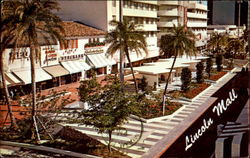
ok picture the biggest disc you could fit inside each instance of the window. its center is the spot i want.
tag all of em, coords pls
(114, 3)
(113, 17)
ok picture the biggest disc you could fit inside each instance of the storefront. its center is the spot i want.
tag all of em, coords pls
(42, 78)
(101, 63)
(59, 74)
(77, 70)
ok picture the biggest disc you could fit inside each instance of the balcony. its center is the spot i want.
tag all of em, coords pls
(148, 2)
(197, 6)
(139, 13)
(196, 24)
(173, 12)
(168, 2)
(197, 16)
(148, 27)
(167, 24)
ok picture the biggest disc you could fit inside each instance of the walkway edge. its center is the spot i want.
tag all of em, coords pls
(48, 149)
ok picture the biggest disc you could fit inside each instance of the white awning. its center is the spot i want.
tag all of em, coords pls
(151, 70)
(75, 66)
(100, 60)
(25, 75)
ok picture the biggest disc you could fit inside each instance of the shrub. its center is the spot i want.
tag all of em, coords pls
(209, 64)
(185, 79)
(199, 72)
(219, 62)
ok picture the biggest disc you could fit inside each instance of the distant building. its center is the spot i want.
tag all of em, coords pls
(191, 14)
(226, 12)
(231, 30)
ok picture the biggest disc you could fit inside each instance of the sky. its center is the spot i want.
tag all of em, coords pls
(223, 12)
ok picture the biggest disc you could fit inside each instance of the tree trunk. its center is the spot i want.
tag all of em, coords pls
(110, 140)
(33, 84)
(6, 92)
(132, 70)
(166, 87)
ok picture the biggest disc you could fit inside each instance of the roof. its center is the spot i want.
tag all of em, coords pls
(74, 29)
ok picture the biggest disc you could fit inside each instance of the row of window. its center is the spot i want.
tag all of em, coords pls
(139, 20)
(71, 57)
(138, 5)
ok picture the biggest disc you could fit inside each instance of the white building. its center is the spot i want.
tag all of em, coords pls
(191, 14)
(61, 63)
(98, 14)
(231, 30)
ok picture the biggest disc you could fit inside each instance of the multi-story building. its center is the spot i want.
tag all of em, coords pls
(191, 14)
(98, 14)
(60, 63)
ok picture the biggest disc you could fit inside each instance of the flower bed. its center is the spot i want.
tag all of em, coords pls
(217, 76)
(194, 91)
(155, 110)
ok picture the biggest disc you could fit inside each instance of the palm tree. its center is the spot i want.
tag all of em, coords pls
(6, 37)
(180, 41)
(217, 42)
(127, 38)
(35, 24)
(236, 46)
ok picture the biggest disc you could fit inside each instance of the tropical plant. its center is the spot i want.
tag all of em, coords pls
(180, 41)
(217, 42)
(185, 78)
(126, 38)
(7, 37)
(218, 61)
(35, 25)
(109, 107)
(144, 84)
(199, 72)
(209, 64)
(235, 46)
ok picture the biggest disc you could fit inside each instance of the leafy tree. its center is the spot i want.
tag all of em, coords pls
(199, 72)
(235, 46)
(218, 61)
(209, 64)
(126, 38)
(34, 20)
(217, 42)
(109, 107)
(180, 41)
(185, 78)
(144, 84)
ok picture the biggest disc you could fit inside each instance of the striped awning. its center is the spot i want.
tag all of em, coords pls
(75, 66)
(11, 79)
(100, 60)
(56, 70)
(25, 74)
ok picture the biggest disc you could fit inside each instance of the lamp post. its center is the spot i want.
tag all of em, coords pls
(121, 50)
(239, 2)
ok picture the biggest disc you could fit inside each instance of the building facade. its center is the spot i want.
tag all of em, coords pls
(60, 63)
(98, 14)
(191, 14)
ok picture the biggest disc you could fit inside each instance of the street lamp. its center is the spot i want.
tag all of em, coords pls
(239, 2)
(121, 51)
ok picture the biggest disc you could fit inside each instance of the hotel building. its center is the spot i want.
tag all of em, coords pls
(191, 14)
(98, 14)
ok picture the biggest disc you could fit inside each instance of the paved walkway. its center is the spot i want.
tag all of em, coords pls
(155, 129)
